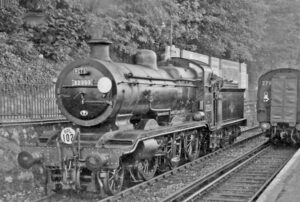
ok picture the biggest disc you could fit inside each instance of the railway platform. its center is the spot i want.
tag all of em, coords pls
(285, 186)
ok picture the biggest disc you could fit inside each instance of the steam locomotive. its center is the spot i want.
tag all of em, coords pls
(133, 120)
(278, 107)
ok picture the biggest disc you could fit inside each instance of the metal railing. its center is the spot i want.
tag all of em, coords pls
(27, 102)
(7, 3)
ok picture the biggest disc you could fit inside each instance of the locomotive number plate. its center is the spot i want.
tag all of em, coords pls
(86, 82)
(67, 135)
(81, 71)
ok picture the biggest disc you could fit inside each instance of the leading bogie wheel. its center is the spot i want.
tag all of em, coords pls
(113, 182)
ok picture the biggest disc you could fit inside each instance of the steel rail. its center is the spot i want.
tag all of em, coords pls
(266, 184)
(215, 175)
(213, 182)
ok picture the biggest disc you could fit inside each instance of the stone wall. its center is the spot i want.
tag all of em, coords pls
(16, 180)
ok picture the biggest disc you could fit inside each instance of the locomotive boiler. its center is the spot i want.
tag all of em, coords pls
(278, 105)
(133, 120)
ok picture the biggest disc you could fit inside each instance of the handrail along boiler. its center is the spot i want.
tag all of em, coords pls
(133, 120)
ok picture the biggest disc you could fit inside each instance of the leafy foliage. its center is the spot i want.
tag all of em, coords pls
(29, 52)
(229, 29)
(20, 63)
(280, 47)
(240, 30)
(129, 24)
(10, 19)
(62, 36)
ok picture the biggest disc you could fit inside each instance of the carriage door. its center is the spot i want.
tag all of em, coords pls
(284, 99)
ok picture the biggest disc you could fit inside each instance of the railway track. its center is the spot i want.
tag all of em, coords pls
(171, 181)
(243, 179)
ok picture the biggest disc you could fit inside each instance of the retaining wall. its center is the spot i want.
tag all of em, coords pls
(15, 179)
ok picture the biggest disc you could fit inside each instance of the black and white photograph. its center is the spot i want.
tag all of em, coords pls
(149, 100)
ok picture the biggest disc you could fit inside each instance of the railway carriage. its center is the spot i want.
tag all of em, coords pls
(133, 120)
(278, 106)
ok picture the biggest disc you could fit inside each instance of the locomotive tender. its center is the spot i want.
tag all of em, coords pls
(278, 107)
(133, 120)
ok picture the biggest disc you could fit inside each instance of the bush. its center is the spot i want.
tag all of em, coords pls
(11, 19)
(20, 62)
(62, 36)
(30, 54)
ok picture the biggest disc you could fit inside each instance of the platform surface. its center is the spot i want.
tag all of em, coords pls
(286, 186)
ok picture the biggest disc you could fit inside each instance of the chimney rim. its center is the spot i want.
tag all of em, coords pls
(99, 41)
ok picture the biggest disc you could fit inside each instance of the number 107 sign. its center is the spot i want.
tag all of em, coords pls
(67, 135)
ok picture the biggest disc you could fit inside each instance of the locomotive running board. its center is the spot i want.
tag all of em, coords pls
(135, 136)
(241, 122)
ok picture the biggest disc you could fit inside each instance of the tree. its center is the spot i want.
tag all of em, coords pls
(280, 47)
(229, 29)
(129, 24)
(63, 35)
(21, 45)
(10, 19)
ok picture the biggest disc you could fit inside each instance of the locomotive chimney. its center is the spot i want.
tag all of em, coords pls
(100, 49)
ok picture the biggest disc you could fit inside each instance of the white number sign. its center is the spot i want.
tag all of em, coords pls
(67, 135)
